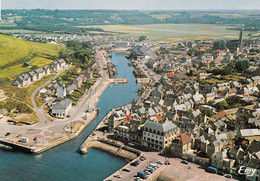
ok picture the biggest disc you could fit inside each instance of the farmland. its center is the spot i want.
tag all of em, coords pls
(14, 52)
(173, 31)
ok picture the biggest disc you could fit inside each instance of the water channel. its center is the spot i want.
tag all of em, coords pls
(62, 163)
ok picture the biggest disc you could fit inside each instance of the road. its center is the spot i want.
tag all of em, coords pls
(39, 111)
(90, 99)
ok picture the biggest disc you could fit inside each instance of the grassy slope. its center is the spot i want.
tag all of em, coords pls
(14, 52)
(173, 31)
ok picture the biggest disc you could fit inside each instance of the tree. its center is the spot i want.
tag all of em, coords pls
(142, 38)
(233, 100)
(242, 65)
(221, 105)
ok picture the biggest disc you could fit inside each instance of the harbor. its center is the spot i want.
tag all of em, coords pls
(35, 166)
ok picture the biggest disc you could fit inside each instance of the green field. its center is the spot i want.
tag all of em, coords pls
(20, 31)
(14, 52)
(174, 31)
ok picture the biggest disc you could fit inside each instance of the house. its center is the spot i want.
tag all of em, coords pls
(191, 44)
(123, 132)
(221, 161)
(2, 95)
(22, 81)
(62, 63)
(249, 134)
(181, 144)
(27, 64)
(33, 76)
(84, 78)
(117, 118)
(256, 80)
(253, 166)
(222, 86)
(158, 136)
(61, 92)
(40, 73)
(46, 69)
(210, 96)
(71, 88)
(78, 70)
(198, 98)
(235, 84)
(61, 108)
(78, 81)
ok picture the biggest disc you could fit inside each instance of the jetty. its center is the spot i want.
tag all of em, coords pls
(99, 139)
(118, 80)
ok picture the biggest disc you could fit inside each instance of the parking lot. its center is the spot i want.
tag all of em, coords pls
(175, 171)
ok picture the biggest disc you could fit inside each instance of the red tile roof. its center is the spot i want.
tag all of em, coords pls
(184, 139)
(77, 69)
(128, 117)
(159, 117)
(83, 76)
(170, 75)
(222, 114)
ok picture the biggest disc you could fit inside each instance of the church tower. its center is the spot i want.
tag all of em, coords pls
(241, 39)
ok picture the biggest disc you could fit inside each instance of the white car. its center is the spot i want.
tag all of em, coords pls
(159, 162)
(138, 179)
(131, 144)
(118, 175)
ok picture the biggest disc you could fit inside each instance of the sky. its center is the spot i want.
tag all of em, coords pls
(133, 4)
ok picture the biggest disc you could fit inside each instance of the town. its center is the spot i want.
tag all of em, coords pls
(199, 103)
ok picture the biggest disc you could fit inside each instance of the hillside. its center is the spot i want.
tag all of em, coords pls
(14, 52)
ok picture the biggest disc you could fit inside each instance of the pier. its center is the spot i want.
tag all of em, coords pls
(118, 80)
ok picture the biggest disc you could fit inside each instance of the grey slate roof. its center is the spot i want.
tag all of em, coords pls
(166, 127)
(63, 104)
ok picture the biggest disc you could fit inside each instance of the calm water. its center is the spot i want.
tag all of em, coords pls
(62, 162)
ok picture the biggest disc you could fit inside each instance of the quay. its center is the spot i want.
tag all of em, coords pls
(142, 80)
(99, 139)
(31, 149)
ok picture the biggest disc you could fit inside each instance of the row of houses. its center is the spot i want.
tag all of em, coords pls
(27, 79)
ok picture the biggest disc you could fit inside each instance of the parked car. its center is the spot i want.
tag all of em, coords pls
(142, 158)
(127, 170)
(135, 163)
(159, 162)
(228, 175)
(131, 144)
(138, 179)
(185, 162)
(118, 175)
(147, 173)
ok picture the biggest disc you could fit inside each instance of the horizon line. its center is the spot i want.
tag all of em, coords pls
(140, 9)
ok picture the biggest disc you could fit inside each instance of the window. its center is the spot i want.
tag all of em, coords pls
(152, 140)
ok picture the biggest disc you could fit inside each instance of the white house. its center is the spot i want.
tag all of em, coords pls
(60, 109)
